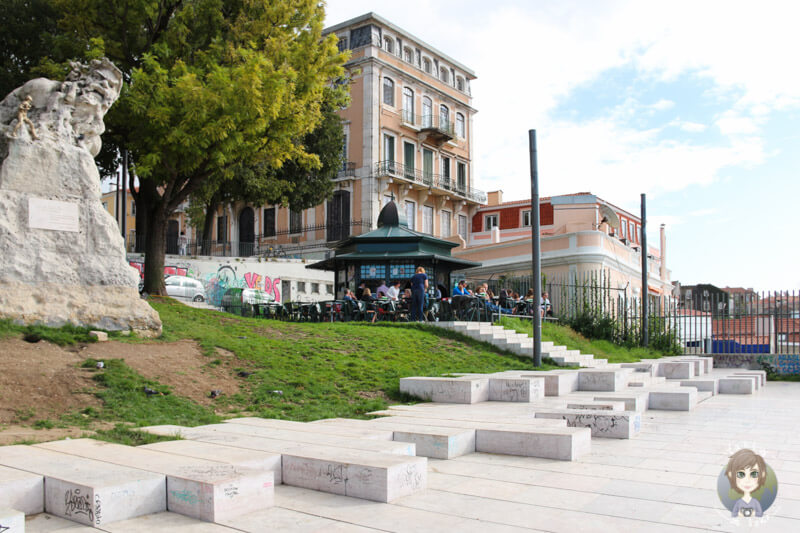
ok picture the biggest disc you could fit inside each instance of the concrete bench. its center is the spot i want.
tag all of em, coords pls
(760, 373)
(21, 490)
(207, 490)
(609, 405)
(673, 399)
(509, 389)
(304, 426)
(676, 369)
(649, 369)
(240, 457)
(611, 424)
(11, 520)
(737, 385)
(603, 380)
(447, 390)
(702, 384)
(88, 491)
(556, 382)
(634, 401)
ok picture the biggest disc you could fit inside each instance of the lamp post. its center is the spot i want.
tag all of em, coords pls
(536, 257)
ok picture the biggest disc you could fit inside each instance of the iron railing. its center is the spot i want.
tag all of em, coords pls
(348, 170)
(440, 124)
(429, 179)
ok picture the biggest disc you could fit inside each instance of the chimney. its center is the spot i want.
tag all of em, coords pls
(495, 198)
(663, 271)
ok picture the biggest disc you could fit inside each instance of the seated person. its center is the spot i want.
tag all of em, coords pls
(459, 289)
(367, 296)
(394, 291)
(349, 296)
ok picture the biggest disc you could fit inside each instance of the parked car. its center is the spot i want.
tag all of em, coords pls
(185, 287)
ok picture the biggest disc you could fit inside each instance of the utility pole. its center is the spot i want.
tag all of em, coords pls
(536, 258)
(645, 335)
(124, 198)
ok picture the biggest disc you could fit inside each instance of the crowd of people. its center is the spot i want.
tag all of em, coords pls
(506, 301)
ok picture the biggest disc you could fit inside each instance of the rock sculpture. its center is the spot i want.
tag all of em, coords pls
(62, 258)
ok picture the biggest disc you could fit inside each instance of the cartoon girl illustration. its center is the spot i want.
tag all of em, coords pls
(746, 472)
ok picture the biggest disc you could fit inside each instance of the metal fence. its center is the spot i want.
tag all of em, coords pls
(702, 319)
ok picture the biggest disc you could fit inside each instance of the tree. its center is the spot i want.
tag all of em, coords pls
(214, 88)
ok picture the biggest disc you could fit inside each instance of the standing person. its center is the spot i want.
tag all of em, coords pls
(360, 290)
(182, 242)
(419, 284)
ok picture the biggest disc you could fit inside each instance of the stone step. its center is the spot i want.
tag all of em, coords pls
(609, 424)
(88, 491)
(598, 405)
(309, 437)
(436, 442)
(239, 457)
(11, 520)
(603, 380)
(556, 382)
(702, 384)
(511, 389)
(303, 426)
(21, 490)
(330, 464)
(760, 373)
(436, 418)
(446, 390)
(736, 385)
(633, 401)
(207, 490)
(672, 399)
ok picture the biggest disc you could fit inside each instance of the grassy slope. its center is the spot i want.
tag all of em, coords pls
(563, 335)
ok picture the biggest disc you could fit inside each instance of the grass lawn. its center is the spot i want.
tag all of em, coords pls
(563, 335)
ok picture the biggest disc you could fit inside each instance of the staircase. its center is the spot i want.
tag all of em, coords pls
(521, 343)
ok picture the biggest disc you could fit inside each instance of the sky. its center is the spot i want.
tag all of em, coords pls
(695, 104)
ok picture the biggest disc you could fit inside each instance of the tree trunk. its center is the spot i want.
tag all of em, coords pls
(208, 223)
(155, 244)
(142, 215)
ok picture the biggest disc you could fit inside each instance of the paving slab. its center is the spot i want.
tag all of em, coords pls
(46, 523)
(88, 491)
(609, 424)
(737, 385)
(305, 426)
(281, 519)
(11, 520)
(21, 490)
(674, 399)
(166, 522)
(198, 488)
(447, 390)
(509, 389)
(224, 454)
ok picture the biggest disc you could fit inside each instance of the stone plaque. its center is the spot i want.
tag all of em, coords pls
(52, 214)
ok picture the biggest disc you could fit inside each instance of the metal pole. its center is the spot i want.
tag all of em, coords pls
(644, 272)
(536, 254)
(116, 200)
(124, 197)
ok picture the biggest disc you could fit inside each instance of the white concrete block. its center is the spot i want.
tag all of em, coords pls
(613, 424)
(649, 369)
(760, 373)
(11, 521)
(371, 476)
(508, 389)
(87, 491)
(447, 390)
(566, 444)
(737, 385)
(702, 384)
(605, 380)
(674, 399)
(231, 455)
(597, 405)
(304, 426)
(756, 378)
(676, 369)
(468, 423)
(206, 490)
(556, 382)
(21, 490)
(633, 401)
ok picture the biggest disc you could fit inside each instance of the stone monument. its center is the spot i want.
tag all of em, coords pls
(62, 258)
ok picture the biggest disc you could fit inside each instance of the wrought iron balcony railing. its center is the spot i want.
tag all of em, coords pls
(429, 179)
(437, 123)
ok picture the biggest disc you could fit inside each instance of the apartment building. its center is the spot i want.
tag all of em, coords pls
(579, 233)
(408, 137)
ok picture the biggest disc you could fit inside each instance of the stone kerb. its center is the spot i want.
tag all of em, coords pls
(447, 390)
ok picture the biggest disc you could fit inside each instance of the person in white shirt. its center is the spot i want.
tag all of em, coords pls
(394, 291)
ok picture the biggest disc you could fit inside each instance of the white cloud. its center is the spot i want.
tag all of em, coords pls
(662, 105)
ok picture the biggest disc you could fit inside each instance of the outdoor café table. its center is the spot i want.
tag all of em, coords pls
(267, 309)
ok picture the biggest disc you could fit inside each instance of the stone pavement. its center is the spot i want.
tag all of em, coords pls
(660, 478)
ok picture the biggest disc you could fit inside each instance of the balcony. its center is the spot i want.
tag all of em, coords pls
(347, 170)
(437, 184)
(438, 129)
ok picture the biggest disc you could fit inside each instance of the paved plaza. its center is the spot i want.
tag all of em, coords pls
(661, 479)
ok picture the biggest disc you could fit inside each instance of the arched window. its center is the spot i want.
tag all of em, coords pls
(388, 92)
(408, 105)
(460, 83)
(443, 75)
(388, 44)
(444, 117)
(461, 129)
(427, 112)
(408, 55)
(426, 65)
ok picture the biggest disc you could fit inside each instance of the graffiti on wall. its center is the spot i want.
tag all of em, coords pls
(226, 277)
(780, 363)
(170, 270)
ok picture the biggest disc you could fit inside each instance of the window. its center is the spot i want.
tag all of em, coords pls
(638, 233)
(388, 149)
(427, 165)
(426, 65)
(133, 208)
(386, 199)
(446, 223)
(401, 271)
(408, 105)
(301, 286)
(411, 211)
(373, 271)
(461, 128)
(344, 152)
(295, 221)
(315, 288)
(388, 92)
(462, 226)
(269, 222)
(444, 117)
(446, 172)
(329, 288)
(624, 229)
(689, 293)
(338, 225)
(443, 75)
(632, 230)
(427, 112)
(342, 44)
(388, 44)
(105, 206)
(526, 218)
(408, 55)
(427, 219)
(222, 228)
(460, 83)
(490, 221)
(462, 176)
(409, 153)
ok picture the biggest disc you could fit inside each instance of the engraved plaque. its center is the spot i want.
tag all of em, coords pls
(52, 214)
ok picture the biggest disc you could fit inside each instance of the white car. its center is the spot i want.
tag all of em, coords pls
(185, 287)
